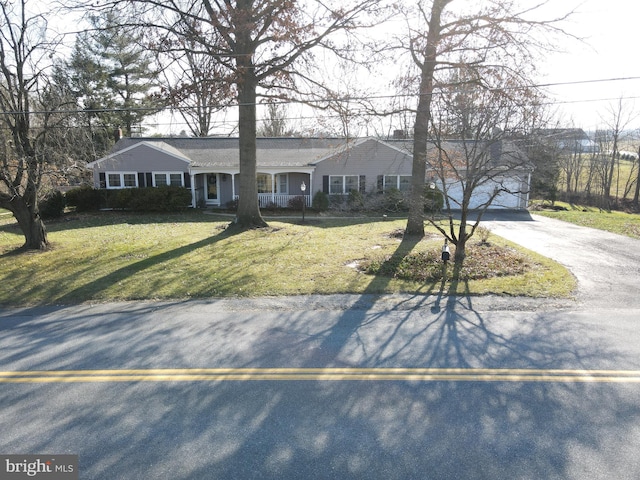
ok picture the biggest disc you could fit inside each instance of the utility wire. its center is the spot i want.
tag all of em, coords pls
(343, 99)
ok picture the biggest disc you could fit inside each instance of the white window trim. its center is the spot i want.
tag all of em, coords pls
(167, 177)
(386, 186)
(279, 177)
(269, 185)
(121, 174)
(344, 184)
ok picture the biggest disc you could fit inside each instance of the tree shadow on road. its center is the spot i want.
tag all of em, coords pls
(341, 429)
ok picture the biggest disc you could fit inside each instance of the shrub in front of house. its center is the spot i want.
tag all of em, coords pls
(393, 201)
(338, 203)
(433, 200)
(320, 202)
(120, 199)
(296, 202)
(270, 206)
(355, 201)
(84, 199)
(158, 199)
(52, 205)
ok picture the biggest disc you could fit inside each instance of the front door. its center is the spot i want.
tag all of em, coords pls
(212, 188)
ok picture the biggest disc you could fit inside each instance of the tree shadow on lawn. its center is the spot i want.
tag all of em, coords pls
(76, 221)
(91, 289)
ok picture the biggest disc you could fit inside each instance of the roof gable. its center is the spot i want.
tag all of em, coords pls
(128, 150)
(350, 147)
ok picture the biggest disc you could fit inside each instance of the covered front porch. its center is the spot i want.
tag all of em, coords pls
(275, 188)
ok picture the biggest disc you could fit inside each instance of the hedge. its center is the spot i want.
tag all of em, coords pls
(152, 199)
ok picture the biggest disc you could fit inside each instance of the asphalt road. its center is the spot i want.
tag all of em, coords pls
(393, 387)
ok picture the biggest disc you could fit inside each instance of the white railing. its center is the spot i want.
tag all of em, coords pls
(278, 199)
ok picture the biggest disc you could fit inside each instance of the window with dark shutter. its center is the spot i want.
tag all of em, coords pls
(148, 179)
(187, 180)
(325, 183)
(380, 185)
(103, 179)
(362, 186)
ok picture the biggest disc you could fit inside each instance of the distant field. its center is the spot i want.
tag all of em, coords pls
(622, 173)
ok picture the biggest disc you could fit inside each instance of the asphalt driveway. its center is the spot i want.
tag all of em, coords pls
(606, 265)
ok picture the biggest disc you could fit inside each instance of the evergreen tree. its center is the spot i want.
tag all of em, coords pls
(112, 74)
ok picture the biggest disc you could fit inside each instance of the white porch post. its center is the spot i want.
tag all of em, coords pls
(193, 190)
(310, 188)
(273, 188)
(233, 186)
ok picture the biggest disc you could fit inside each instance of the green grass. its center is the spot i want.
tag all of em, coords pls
(616, 222)
(111, 257)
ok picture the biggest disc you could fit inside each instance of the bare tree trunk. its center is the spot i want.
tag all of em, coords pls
(26, 214)
(248, 214)
(608, 177)
(461, 243)
(415, 222)
(636, 195)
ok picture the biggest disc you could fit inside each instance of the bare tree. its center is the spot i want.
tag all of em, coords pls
(24, 56)
(615, 123)
(476, 161)
(195, 84)
(274, 123)
(636, 195)
(495, 35)
(264, 45)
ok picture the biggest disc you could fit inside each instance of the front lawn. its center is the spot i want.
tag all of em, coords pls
(113, 256)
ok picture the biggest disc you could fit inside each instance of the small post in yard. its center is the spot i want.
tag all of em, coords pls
(446, 255)
(303, 187)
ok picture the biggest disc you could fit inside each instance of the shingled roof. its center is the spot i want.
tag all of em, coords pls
(223, 151)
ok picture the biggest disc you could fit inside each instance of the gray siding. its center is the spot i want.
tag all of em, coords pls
(142, 159)
(370, 159)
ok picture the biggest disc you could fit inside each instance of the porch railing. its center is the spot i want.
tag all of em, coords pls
(278, 200)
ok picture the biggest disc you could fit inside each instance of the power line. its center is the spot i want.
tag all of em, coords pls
(346, 98)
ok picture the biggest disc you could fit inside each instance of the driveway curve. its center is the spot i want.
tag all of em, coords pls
(606, 265)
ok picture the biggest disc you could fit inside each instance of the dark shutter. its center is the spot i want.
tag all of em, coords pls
(380, 183)
(140, 179)
(149, 178)
(187, 180)
(103, 180)
(363, 186)
(325, 183)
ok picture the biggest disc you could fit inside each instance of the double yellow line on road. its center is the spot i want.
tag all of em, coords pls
(323, 374)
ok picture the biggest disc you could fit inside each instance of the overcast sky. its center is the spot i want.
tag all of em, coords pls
(609, 52)
(612, 40)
